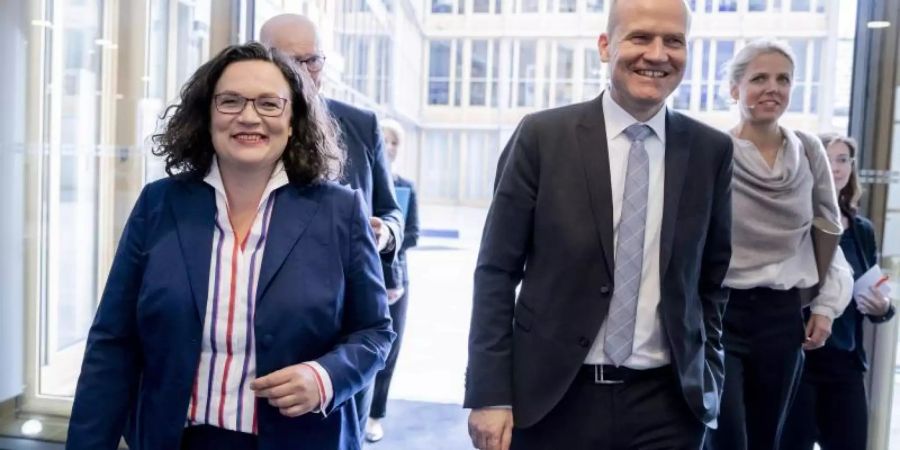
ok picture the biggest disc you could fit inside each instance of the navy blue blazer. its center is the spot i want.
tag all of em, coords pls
(398, 271)
(863, 234)
(320, 297)
(366, 169)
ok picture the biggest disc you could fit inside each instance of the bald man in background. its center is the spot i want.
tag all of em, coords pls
(366, 165)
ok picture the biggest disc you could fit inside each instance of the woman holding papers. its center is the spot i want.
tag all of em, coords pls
(781, 183)
(395, 275)
(830, 407)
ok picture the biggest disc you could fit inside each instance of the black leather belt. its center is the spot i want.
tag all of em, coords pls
(608, 374)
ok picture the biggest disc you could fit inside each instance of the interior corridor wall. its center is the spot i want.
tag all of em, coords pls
(12, 209)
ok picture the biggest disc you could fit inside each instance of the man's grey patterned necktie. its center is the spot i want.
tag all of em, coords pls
(629, 249)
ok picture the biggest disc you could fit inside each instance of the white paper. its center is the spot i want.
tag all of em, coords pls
(869, 279)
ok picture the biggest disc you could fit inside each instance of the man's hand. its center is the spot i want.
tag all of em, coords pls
(873, 303)
(818, 329)
(382, 233)
(394, 295)
(491, 428)
(293, 390)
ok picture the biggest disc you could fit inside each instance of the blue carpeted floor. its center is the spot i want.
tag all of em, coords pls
(408, 426)
(423, 426)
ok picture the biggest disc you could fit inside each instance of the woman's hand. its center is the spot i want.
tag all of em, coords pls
(873, 303)
(294, 390)
(818, 329)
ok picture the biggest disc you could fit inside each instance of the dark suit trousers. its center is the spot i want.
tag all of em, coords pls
(763, 334)
(205, 437)
(383, 379)
(830, 408)
(647, 414)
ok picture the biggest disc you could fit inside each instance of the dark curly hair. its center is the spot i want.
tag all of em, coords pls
(313, 152)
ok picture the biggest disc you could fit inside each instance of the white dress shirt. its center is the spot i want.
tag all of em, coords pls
(799, 270)
(650, 349)
(221, 396)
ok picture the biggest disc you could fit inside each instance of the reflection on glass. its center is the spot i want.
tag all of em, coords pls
(566, 6)
(85, 192)
(457, 92)
(527, 68)
(193, 38)
(727, 5)
(71, 197)
(593, 73)
(565, 72)
(441, 6)
(482, 151)
(528, 6)
(478, 72)
(682, 98)
(440, 165)
(439, 73)
(757, 5)
(800, 5)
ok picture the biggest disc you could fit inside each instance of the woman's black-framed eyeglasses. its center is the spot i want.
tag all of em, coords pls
(235, 104)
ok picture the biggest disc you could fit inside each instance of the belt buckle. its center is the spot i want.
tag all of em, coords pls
(599, 378)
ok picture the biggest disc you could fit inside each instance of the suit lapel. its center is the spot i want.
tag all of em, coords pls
(594, 151)
(678, 148)
(194, 207)
(293, 210)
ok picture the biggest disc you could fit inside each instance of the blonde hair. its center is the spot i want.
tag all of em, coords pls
(394, 127)
(737, 67)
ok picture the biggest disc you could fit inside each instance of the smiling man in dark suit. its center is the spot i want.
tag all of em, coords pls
(366, 165)
(615, 217)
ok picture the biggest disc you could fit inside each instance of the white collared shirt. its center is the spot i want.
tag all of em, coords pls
(650, 349)
(221, 396)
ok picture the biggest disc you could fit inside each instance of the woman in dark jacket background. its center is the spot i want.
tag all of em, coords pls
(830, 407)
(395, 275)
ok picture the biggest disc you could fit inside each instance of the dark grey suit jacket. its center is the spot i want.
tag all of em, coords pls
(550, 227)
(366, 169)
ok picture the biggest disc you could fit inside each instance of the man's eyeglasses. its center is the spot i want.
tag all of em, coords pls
(235, 104)
(313, 63)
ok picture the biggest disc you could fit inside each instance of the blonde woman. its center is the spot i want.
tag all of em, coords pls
(781, 181)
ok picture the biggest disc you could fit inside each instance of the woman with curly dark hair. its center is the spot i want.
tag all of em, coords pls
(245, 305)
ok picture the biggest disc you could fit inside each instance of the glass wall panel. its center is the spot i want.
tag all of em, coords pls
(89, 185)
(439, 73)
(527, 73)
(440, 165)
(482, 151)
(565, 73)
(593, 73)
(71, 196)
(478, 73)
(757, 5)
(594, 6)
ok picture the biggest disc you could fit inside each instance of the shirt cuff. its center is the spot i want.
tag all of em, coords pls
(392, 241)
(326, 390)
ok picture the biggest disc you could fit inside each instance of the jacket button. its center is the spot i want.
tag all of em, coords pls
(584, 342)
(267, 340)
(604, 289)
